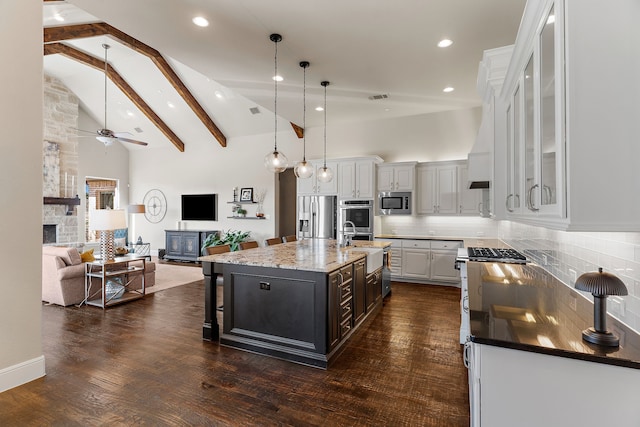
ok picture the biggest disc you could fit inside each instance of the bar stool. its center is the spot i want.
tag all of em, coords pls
(218, 249)
(248, 245)
(291, 238)
(273, 241)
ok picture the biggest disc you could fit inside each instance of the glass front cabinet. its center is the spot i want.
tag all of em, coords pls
(534, 119)
(568, 149)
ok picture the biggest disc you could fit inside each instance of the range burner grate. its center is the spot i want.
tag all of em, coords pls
(496, 254)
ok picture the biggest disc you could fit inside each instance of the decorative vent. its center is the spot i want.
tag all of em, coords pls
(138, 130)
(254, 110)
(378, 97)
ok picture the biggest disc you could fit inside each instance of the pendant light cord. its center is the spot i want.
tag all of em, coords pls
(325, 125)
(304, 114)
(106, 48)
(275, 101)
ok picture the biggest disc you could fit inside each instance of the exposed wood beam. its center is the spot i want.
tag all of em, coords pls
(116, 78)
(297, 129)
(55, 34)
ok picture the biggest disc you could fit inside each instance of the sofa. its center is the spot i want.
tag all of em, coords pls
(63, 276)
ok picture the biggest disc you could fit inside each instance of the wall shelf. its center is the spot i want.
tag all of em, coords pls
(243, 203)
(246, 217)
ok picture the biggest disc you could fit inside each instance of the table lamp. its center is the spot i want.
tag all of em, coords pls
(105, 221)
(135, 209)
(600, 285)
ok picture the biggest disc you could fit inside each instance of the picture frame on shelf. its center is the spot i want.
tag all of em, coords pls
(246, 194)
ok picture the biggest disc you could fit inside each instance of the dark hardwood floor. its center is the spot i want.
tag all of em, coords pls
(144, 363)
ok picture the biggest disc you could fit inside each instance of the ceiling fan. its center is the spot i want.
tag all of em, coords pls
(107, 136)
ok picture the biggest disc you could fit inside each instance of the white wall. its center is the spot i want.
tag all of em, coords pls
(21, 357)
(97, 161)
(205, 167)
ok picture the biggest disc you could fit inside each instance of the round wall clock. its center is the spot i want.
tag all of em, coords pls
(155, 206)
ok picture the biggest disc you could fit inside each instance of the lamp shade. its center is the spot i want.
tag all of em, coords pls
(601, 283)
(136, 209)
(107, 219)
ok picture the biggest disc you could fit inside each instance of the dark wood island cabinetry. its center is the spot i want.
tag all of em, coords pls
(299, 301)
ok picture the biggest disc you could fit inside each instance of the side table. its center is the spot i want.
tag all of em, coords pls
(121, 271)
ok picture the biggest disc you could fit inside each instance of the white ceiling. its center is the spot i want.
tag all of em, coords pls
(363, 47)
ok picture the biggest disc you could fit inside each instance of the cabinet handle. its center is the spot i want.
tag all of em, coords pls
(460, 211)
(465, 354)
(510, 196)
(358, 192)
(530, 200)
(465, 303)
(480, 207)
(341, 278)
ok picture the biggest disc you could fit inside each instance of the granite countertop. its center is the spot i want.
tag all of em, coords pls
(526, 308)
(323, 255)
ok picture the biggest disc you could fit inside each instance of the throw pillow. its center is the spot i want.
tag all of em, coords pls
(120, 242)
(87, 256)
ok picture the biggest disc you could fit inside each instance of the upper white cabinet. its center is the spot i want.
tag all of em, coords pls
(313, 186)
(437, 189)
(356, 179)
(469, 200)
(569, 106)
(396, 176)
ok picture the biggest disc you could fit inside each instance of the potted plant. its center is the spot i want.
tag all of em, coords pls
(242, 212)
(233, 238)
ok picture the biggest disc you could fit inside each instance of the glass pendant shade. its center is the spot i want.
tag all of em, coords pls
(303, 169)
(276, 161)
(325, 174)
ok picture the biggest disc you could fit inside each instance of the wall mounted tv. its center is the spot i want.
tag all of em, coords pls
(199, 207)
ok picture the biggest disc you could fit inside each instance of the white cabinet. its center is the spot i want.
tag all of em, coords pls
(470, 200)
(437, 189)
(416, 259)
(443, 258)
(313, 186)
(501, 391)
(396, 176)
(425, 260)
(355, 179)
(570, 103)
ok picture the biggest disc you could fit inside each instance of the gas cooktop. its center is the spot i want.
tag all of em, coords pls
(496, 255)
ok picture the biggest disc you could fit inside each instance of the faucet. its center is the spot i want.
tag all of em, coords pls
(347, 235)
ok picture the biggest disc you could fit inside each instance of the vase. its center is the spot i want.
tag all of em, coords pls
(259, 211)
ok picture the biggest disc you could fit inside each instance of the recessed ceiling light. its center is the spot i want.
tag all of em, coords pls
(277, 78)
(170, 104)
(445, 43)
(219, 94)
(319, 109)
(448, 89)
(58, 17)
(551, 19)
(200, 21)
(130, 113)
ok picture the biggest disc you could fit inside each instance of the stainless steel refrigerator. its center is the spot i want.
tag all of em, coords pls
(317, 217)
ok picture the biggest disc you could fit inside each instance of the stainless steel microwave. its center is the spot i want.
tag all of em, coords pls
(394, 203)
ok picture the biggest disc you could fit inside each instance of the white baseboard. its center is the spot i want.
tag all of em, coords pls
(21, 373)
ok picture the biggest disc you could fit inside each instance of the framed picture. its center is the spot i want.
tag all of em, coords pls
(246, 194)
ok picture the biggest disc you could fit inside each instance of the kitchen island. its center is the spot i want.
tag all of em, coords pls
(299, 301)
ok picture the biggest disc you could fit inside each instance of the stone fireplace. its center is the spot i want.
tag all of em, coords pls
(59, 162)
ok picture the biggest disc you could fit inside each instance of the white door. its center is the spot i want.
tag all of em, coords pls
(364, 180)
(447, 182)
(404, 178)
(443, 265)
(346, 180)
(416, 263)
(470, 200)
(426, 190)
(385, 178)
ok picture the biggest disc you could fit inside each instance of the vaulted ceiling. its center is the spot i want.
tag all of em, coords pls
(364, 48)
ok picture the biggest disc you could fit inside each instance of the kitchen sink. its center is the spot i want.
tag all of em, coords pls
(374, 257)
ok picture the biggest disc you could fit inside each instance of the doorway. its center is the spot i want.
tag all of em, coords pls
(287, 199)
(100, 193)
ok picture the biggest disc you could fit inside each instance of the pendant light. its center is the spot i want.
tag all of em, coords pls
(275, 161)
(324, 173)
(304, 169)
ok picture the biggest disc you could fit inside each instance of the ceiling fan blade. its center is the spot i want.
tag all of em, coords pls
(132, 141)
(122, 135)
(92, 132)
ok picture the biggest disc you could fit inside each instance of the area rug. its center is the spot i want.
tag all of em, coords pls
(172, 275)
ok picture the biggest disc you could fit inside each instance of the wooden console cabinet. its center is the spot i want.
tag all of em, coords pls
(184, 245)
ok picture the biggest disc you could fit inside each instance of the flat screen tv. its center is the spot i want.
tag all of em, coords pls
(199, 207)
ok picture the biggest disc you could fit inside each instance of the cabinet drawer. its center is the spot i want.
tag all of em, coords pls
(445, 244)
(347, 273)
(345, 292)
(345, 327)
(345, 310)
(418, 244)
